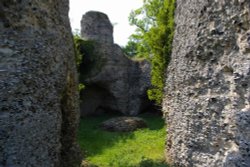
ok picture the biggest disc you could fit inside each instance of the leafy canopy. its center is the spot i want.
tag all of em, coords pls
(153, 39)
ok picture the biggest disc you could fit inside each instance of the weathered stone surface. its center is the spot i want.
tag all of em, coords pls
(123, 124)
(39, 100)
(207, 94)
(114, 82)
(96, 26)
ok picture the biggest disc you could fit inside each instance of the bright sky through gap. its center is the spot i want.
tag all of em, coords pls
(117, 11)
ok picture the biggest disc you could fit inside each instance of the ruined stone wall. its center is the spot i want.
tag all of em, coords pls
(207, 93)
(114, 82)
(96, 26)
(38, 92)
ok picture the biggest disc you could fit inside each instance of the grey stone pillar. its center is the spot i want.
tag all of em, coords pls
(38, 85)
(207, 93)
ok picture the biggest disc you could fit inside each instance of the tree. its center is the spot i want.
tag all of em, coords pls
(154, 35)
(77, 44)
(130, 49)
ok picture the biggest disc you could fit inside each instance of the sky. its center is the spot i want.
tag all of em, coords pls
(117, 11)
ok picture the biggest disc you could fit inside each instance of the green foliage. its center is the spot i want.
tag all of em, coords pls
(141, 148)
(154, 35)
(84, 52)
(78, 54)
(81, 87)
(130, 49)
(87, 61)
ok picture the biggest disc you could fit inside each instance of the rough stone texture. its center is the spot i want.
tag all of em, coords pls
(96, 26)
(38, 103)
(115, 82)
(207, 94)
(123, 124)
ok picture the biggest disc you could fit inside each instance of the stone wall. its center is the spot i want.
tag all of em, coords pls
(96, 26)
(121, 82)
(207, 93)
(38, 99)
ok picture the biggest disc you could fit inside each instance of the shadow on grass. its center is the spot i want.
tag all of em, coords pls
(145, 162)
(154, 121)
(152, 163)
(94, 141)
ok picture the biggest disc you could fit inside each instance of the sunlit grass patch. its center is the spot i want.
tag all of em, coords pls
(141, 148)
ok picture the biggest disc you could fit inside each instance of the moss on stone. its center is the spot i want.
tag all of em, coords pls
(89, 61)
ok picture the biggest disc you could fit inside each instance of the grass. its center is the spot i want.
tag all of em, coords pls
(141, 148)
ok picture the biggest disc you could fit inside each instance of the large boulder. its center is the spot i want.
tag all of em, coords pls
(39, 110)
(113, 82)
(207, 93)
(123, 124)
